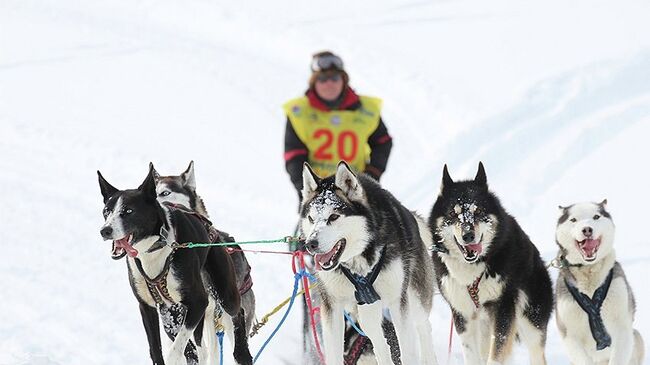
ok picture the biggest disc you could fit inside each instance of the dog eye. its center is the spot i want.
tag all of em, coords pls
(332, 218)
(311, 220)
(165, 193)
(573, 220)
(128, 211)
(106, 212)
(596, 217)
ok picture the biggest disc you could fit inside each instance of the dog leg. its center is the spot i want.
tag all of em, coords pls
(467, 329)
(423, 327)
(333, 332)
(209, 337)
(195, 312)
(534, 338)
(151, 326)
(638, 353)
(370, 318)
(504, 330)
(241, 352)
(576, 352)
(404, 329)
(622, 346)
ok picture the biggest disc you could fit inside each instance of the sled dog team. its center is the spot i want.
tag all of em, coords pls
(371, 253)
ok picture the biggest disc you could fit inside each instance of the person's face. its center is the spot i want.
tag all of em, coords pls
(329, 86)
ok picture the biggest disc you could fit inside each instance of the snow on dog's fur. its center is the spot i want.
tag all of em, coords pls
(489, 272)
(351, 223)
(585, 235)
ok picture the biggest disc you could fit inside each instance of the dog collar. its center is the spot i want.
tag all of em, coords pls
(438, 247)
(592, 306)
(163, 240)
(364, 292)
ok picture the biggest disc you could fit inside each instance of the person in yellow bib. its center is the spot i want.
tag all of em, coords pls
(331, 123)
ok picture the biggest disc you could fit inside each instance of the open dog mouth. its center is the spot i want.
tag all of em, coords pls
(471, 252)
(123, 247)
(329, 260)
(589, 248)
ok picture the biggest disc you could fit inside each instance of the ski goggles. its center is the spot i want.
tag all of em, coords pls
(324, 77)
(326, 62)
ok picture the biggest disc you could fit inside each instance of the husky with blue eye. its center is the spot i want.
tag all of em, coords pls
(180, 190)
(594, 302)
(163, 276)
(489, 272)
(370, 252)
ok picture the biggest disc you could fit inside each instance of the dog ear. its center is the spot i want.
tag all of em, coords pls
(188, 176)
(603, 203)
(148, 186)
(481, 177)
(309, 181)
(446, 179)
(348, 182)
(156, 175)
(107, 189)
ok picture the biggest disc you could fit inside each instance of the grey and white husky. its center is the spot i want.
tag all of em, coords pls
(369, 253)
(594, 302)
(181, 190)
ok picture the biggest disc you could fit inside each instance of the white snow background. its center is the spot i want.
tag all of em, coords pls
(552, 95)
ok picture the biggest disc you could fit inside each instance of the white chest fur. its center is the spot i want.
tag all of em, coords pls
(153, 264)
(460, 276)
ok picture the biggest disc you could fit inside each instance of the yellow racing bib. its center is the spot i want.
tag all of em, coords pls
(335, 135)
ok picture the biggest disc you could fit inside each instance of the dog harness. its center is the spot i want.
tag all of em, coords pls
(592, 306)
(364, 292)
(215, 236)
(472, 290)
(158, 285)
(357, 348)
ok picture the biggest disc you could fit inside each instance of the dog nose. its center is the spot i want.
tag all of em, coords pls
(106, 232)
(587, 231)
(469, 237)
(311, 245)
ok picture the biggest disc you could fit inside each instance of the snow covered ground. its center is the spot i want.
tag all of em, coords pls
(552, 95)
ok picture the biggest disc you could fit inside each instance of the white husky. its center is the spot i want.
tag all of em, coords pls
(594, 303)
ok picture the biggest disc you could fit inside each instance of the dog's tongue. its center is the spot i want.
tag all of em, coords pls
(124, 243)
(476, 247)
(323, 258)
(590, 246)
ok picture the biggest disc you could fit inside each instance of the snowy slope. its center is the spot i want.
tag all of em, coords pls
(553, 96)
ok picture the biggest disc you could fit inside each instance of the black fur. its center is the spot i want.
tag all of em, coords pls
(511, 255)
(145, 219)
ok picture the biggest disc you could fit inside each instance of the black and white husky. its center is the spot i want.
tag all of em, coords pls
(594, 303)
(162, 276)
(181, 190)
(370, 254)
(489, 272)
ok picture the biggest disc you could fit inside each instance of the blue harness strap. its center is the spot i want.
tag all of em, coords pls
(364, 292)
(592, 306)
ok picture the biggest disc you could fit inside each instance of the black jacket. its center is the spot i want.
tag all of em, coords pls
(295, 151)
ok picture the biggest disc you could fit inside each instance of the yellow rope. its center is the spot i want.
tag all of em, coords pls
(275, 310)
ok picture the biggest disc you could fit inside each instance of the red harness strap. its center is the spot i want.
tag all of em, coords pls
(473, 291)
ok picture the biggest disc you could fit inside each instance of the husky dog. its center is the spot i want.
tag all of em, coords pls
(489, 272)
(369, 253)
(181, 191)
(595, 305)
(162, 276)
